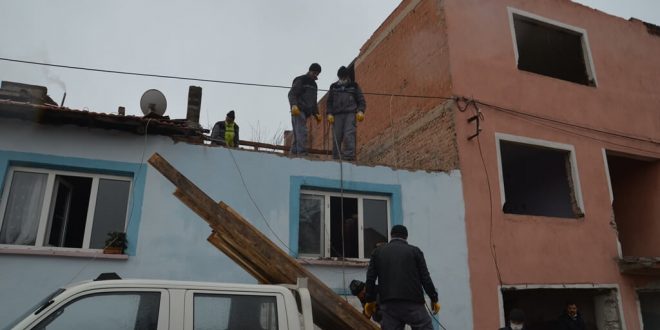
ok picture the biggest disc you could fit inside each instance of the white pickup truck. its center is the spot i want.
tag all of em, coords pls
(117, 304)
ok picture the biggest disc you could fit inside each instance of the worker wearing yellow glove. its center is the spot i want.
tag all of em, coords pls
(403, 277)
(345, 106)
(303, 102)
(369, 309)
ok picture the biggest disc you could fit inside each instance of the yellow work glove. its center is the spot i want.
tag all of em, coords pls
(295, 111)
(318, 118)
(359, 116)
(436, 308)
(369, 309)
(331, 119)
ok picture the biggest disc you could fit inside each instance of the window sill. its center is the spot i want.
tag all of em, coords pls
(76, 253)
(333, 262)
(541, 218)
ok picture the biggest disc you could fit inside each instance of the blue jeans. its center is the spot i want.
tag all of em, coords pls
(396, 314)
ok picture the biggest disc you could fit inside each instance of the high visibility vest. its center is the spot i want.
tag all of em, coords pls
(229, 134)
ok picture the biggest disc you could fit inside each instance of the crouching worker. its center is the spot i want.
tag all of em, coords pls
(359, 289)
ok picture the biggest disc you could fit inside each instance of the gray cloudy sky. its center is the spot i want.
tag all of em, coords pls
(266, 42)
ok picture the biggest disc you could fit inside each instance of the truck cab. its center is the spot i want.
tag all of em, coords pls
(112, 303)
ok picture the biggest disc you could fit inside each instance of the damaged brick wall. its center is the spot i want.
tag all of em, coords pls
(421, 140)
(406, 57)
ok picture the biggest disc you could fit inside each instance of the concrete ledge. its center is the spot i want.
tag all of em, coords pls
(59, 252)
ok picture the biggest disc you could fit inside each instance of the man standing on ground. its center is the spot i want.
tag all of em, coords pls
(226, 132)
(345, 105)
(302, 99)
(571, 319)
(402, 275)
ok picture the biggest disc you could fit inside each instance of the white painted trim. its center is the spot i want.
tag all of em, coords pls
(91, 208)
(327, 240)
(586, 50)
(47, 203)
(614, 287)
(500, 299)
(639, 310)
(58, 251)
(607, 174)
(543, 143)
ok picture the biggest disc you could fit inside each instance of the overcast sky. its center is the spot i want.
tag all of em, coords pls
(265, 42)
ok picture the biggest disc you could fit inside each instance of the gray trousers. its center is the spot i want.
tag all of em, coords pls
(396, 314)
(343, 140)
(299, 124)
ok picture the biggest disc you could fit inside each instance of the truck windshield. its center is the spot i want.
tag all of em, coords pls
(37, 307)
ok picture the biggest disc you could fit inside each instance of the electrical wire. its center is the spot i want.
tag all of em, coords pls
(433, 317)
(229, 82)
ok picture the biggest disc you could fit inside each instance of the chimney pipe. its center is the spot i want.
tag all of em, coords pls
(194, 106)
(63, 98)
(121, 111)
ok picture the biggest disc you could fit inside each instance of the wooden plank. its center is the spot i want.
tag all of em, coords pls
(219, 243)
(257, 253)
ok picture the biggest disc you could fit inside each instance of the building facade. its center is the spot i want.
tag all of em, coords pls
(550, 111)
(69, 177)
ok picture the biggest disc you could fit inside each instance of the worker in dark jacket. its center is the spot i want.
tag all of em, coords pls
(302, 99)
(226, 132)
(345, 105)
(359, 289)
(402, 275)
(571, 319)
(516, 320)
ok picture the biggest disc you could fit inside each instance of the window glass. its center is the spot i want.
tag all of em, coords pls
(23, 210)
(310, 237)
(110, 212)
(234, 312)
(375, 224)
(107, 311)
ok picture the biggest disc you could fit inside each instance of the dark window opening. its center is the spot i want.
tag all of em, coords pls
(649, 302)
(537, 181)
(69, 211)
(551, 50)
(344, 217)
(543, 307)
(635, 185)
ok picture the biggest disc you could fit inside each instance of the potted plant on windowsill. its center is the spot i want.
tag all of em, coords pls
(115, 243)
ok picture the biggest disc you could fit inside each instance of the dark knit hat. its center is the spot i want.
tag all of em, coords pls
(231, 114)
(516, 315)
(342, 72)
(356, 287)
(315, 67)
(399, 231)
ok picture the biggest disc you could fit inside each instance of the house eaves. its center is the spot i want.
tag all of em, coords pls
(54, 115)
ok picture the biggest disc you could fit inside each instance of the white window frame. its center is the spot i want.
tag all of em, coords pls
(47, 205)
(541, 143)
(586, 50)
(326, 246)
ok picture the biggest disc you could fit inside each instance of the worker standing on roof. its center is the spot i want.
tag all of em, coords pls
(302, 99)
(345, 105)
(226, 132)
(401, 271)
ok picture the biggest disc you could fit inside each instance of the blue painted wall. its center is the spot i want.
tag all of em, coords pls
(171, 239)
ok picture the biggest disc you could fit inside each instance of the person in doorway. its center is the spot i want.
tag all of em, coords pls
(571, 319)
(345, 105)
(516, 320)
(302, 99)
(403, 277)
(359, 289)
(226, 132)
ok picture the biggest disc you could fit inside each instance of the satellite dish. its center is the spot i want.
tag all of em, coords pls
(153, 102)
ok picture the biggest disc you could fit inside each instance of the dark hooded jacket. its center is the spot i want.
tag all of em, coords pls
(345, 98)
(402, 274)
(303, 94)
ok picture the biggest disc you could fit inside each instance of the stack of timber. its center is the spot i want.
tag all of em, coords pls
(258, 255)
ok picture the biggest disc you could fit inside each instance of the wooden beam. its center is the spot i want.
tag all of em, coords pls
(258, 255)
